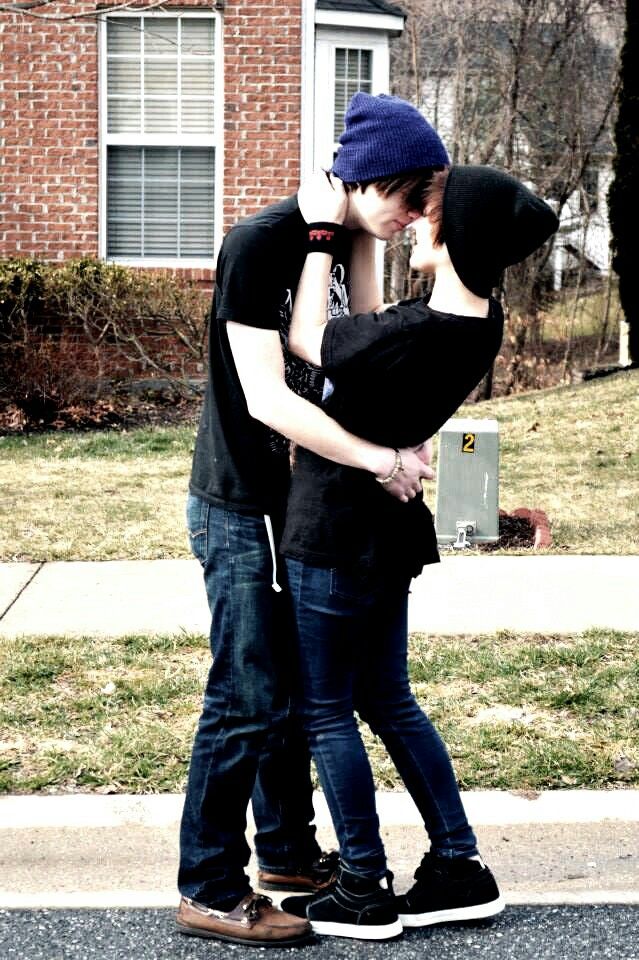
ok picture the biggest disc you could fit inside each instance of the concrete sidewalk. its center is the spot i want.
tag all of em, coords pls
(575, 846)
(103, 851)
(462, 594)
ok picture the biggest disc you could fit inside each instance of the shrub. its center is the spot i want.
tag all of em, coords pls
(67, 330)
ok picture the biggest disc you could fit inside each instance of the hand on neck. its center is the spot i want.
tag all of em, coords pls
(449, 295)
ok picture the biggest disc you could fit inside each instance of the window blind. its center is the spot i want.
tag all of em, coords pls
(160, 201)
(353, 73)
(160, 76)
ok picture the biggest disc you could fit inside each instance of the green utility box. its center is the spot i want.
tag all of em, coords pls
(467, 501)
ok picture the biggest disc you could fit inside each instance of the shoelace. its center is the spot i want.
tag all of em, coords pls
(325, 867)
(252, 907)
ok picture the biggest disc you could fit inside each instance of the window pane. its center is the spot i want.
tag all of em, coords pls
(124, 116)
(353, 73)
(125, 202)
(196, 199)
(160, 116)
(160, 202)
(160, 239)
(196, 239)
(125, 239)
(124, 35)
(198, 78)
(156, 86)
(123, 77)
(161, 162)
(160, 36)
(198, 37)
(125, 162)
(160, 76)
(197, 116)
(198, 164)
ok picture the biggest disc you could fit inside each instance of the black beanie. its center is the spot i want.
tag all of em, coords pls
(490, 221)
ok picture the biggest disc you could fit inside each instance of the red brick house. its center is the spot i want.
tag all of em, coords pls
(140, 132)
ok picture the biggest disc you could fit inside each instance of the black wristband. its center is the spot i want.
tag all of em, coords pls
(323, 237)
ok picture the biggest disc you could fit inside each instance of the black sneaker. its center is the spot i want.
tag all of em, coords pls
(307, 878)
(351, 906)
(449, 890)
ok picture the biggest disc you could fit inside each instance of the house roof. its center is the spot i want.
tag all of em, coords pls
(361, 6)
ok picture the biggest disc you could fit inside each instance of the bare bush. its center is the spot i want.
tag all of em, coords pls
(69, 332)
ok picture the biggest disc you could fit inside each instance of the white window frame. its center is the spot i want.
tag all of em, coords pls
(327, 41)
(107, 139)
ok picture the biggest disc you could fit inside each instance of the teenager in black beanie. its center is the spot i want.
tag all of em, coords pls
(397, 375)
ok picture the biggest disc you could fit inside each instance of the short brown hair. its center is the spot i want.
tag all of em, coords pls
(412, 183)
(433, 204)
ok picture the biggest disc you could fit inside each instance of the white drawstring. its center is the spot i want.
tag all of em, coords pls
(271, 542)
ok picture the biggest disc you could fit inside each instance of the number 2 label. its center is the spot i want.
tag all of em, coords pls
(468, 443)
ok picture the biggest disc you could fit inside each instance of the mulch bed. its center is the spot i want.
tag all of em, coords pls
(114, 412)
(515, 533)
(520, 530)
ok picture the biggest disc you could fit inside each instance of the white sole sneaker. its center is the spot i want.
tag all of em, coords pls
(375, 931)
(479, 911)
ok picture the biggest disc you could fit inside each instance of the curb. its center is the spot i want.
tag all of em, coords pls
(484, 808)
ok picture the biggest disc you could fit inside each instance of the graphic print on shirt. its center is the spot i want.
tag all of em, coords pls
(302, 377)
(337, 293)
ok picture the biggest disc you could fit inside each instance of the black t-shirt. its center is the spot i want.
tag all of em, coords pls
(397, 377)
(238, 462)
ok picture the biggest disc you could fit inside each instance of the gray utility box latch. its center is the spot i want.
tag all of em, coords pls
(467, 500)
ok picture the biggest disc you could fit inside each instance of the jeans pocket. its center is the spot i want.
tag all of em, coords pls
(351, 585)
(197, 521)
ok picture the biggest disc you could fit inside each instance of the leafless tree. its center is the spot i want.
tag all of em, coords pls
(530, 86)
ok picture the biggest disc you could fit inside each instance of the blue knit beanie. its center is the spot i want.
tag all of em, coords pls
(382, 136)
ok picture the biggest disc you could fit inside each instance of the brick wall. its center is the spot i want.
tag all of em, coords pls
(49, 93)
(263, 76)
(49, 161)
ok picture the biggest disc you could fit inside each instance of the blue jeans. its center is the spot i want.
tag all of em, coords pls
(353, 637)
(246, 730)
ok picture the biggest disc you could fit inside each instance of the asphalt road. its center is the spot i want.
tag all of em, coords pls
(543, 933)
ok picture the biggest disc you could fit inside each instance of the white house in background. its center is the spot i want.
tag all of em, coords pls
(584, 225)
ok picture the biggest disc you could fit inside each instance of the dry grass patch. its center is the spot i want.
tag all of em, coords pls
(517, 712)
(104, 496)
(574, 453)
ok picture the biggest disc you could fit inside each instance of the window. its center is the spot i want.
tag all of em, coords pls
(353, 74)
(346, 61)
(159, 112)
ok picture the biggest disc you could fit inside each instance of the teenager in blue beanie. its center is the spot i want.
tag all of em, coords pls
(396, 375)
(258, 397)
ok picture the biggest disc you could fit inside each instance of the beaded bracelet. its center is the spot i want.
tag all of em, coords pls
(397, 468)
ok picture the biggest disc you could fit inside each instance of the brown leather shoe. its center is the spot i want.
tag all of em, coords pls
(253, 922)
(308, 879)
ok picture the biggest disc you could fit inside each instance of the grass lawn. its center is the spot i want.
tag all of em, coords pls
(572, 452)
(524, 712)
